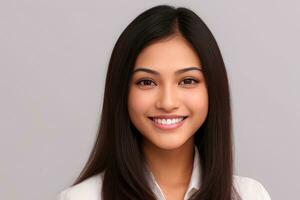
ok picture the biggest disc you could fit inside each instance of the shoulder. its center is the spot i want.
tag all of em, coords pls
(87, 189)
(250, 189)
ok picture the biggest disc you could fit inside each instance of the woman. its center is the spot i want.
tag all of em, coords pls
(165, 131)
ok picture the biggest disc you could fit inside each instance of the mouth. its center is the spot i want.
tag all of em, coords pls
(166, 118)
(167, 123)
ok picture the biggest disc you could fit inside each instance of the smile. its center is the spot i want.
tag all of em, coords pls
(167, 123)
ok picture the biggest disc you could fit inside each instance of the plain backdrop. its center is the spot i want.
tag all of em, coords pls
(53, 61)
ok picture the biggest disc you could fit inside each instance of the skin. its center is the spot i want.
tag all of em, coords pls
(169, 153)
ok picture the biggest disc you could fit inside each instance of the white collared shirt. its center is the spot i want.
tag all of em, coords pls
(89, 189)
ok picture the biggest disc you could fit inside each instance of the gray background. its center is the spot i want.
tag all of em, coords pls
(54, 56)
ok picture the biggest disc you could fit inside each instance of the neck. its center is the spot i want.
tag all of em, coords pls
(173, 167)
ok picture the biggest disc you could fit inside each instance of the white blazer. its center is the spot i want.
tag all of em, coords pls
(90, 189)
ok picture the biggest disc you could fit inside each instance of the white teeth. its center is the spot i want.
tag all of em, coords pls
(168, 121)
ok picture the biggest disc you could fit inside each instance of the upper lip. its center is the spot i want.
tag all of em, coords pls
(168, 116)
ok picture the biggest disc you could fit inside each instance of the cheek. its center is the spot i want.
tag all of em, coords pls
(138, 103)
(197, 102)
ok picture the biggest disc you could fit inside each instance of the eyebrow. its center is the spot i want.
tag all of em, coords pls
(180, 71)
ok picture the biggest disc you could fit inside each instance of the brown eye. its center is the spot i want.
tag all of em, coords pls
(190, 81)
(145, 82)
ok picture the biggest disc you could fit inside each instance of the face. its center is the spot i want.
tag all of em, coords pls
(168, 99)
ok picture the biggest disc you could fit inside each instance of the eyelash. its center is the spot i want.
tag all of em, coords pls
(195, 81)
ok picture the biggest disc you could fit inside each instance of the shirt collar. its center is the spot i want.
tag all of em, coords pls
(194, 184)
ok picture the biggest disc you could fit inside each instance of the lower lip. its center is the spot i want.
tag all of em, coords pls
(167, 127)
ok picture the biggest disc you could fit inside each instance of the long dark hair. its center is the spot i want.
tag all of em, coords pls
(117, 150)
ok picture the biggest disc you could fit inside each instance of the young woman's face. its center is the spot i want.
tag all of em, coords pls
(166, 103)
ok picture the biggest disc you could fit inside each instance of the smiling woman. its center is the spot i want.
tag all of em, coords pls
(165, 131)
(167, 81)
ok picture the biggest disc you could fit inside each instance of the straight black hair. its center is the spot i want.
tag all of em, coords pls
(117, 150)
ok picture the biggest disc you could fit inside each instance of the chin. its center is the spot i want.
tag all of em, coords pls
(169, 145)
(168, 141)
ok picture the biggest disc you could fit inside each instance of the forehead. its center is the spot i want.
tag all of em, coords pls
(172, 54)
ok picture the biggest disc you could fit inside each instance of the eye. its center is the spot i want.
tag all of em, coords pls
(145, 82)
(190, 81)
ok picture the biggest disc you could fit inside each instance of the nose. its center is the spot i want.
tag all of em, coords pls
(167, 99)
